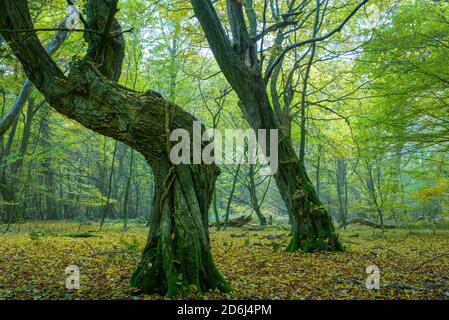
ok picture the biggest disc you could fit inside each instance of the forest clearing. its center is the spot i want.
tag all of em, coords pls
(414, 263)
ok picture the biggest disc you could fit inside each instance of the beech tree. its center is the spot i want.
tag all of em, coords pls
(177, 256)
(240, 62)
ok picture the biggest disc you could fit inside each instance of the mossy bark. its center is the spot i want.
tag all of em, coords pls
(312, 227)
(177, 259)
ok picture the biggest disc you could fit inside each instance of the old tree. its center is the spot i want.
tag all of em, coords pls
(242, 65)
(177, 257)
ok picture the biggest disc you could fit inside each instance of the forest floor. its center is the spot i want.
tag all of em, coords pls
(414, 264)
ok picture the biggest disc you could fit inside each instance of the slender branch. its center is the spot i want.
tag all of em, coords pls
(273, 28)
(312, 40)
(7, 121)
(430, 260)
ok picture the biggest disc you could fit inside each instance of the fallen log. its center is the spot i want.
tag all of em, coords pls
(239, 235)
(255, 228)
(365, 222)
(235, 222)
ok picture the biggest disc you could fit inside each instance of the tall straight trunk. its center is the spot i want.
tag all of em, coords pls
(108, 198)
(215, 207)
(372, 192)
(253, 196)
(127, 189)
(342, 191)
(119, 180)
(61, 206)
(231, 196)
(106, 173)
(51, 209)
(318, 168)
(137, 193)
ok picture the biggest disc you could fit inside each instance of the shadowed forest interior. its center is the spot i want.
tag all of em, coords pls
(358, 91)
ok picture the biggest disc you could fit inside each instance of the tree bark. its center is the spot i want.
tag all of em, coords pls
(177, 257)
(253, 195)
(51, 211)
(127, 189)
(10, 176)
(312, 227)
(342, 191)
(231, 195)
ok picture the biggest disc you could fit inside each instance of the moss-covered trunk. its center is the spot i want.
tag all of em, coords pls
(177, 259)
(312, 226)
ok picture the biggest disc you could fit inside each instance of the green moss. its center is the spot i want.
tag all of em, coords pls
(324, 241)
(190, 273)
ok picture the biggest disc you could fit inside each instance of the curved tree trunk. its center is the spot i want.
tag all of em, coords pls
(177, 257)
(312, 227)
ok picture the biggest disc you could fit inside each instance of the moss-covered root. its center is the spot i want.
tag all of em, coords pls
(312, 228)
(323, 242)
(189, 271)
(177, 260)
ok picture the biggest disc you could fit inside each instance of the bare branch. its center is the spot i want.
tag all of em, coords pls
(312, 40)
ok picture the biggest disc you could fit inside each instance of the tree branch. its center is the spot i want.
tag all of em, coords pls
(312, 40)
(274, 27)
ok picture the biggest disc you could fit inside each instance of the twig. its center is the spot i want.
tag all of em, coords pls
(110, 253)
(430, 260)
(132, 254)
